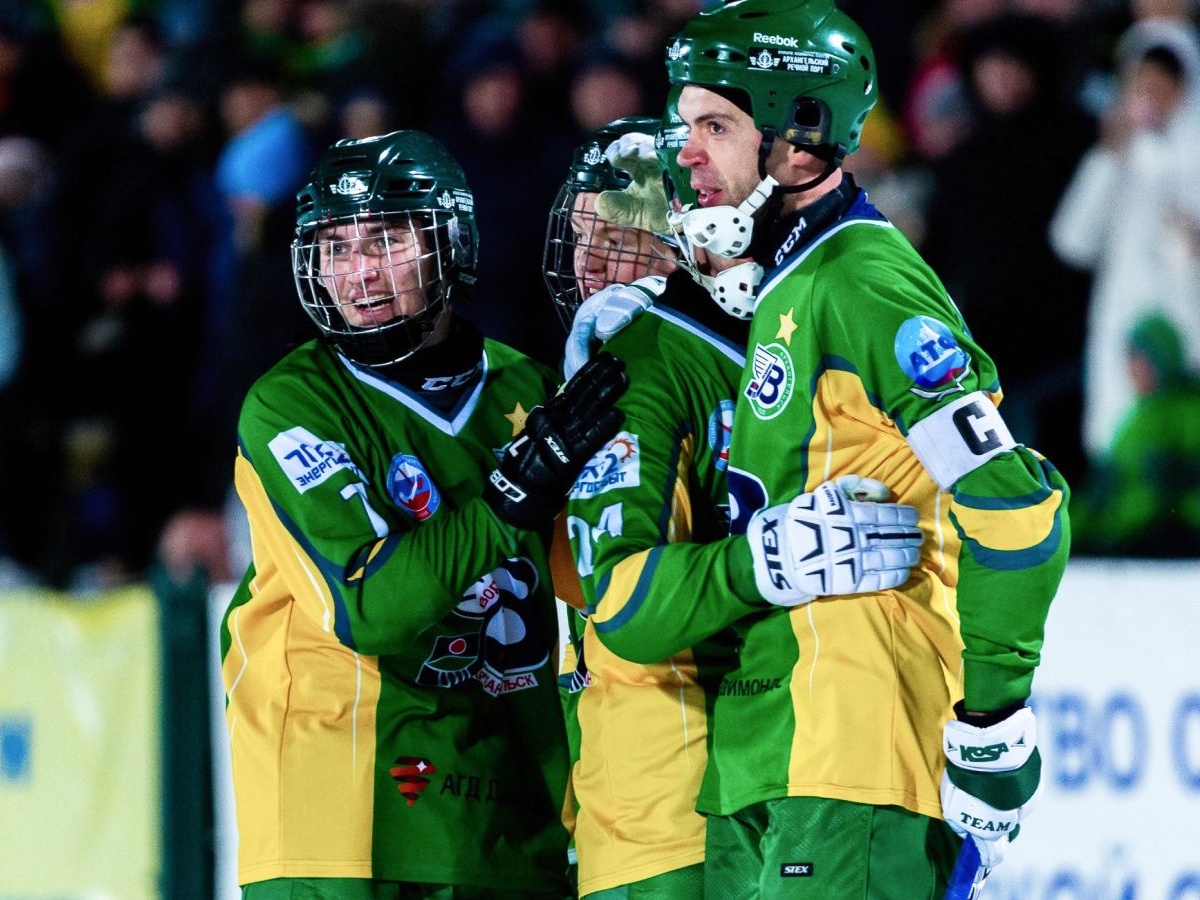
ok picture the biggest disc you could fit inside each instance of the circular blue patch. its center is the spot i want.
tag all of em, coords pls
(928, 353)
(409, 485)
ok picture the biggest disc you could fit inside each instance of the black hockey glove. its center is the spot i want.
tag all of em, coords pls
(530, 485)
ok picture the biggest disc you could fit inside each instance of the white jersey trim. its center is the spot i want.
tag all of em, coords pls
(723, 346)
(779, 274)
(959, 438)
(450, 426)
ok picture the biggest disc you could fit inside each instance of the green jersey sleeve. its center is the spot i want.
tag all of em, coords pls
(377, 543)
(648, 516)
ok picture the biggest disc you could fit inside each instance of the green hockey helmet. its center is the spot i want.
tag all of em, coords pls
(582, 251)
(398, 207)
(805, 68)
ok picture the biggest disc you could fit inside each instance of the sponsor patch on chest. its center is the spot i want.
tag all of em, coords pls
(306, 459)
(617, 465)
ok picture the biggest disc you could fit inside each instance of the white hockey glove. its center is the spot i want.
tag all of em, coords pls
(992, 778)
(606, 312)
(823, 543)
(643, 204)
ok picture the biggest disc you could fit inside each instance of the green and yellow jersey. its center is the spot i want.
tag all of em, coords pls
(659, 483)
(859, 363)
(389, 658)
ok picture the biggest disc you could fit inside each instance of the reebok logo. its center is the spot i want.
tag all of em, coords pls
(776, 40)
(796, 870)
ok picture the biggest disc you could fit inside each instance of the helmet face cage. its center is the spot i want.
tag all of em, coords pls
(807, 68)
(385, 237)
(375, 284)
(583, 252)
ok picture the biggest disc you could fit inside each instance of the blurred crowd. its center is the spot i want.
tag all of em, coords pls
(1040, 153)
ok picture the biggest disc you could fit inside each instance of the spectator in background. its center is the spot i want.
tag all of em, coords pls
(252, 319)
(603, 88)
(31, 408)
(1131, 214)
(365, 112)
(1143, 496)
(549, 36)
(935, 111)
(897, 185)
(146, 250)
(640, 32)
(986, 228)
(44, 92)
(89, 30)
(513, 150)
(266, 152)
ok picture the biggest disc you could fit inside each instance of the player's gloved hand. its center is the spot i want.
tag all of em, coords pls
(530, 485)
(643, 204)
(606, 312)
(823, 543)
(993, 772)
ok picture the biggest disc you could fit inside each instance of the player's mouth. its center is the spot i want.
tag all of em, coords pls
(370, 304)
(708, 196)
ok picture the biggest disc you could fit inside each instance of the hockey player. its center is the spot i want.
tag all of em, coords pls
(642, 728)
(649, 518)
(855, 736)
(392, 707)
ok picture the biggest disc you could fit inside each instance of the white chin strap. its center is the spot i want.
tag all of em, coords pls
(724, 231)
(734, 288)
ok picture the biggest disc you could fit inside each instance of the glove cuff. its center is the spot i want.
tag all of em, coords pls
(1000, 790)
(1002, 747)
(766, 534)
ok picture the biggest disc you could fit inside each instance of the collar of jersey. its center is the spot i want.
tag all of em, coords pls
(861, 212)
(415, 402)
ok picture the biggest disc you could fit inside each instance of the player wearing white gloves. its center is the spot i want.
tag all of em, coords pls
(648, 522)
(853, 740)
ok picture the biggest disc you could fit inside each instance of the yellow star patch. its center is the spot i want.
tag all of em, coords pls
(517, 417)
(786, 326)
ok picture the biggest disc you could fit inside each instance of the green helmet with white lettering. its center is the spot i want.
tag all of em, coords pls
(802, 68)
(385, 237)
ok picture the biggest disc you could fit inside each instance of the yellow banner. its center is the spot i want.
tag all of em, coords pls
(79, 745)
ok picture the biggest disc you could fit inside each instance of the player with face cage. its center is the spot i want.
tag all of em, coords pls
(394, 721)
(894, 721)
(585, 252)
(648, 520)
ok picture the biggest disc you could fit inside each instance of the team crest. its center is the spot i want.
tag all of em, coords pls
(411, 488)
(774, 379)
(350, 185)
(928, 353)
(720, 430)
(617, 465)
